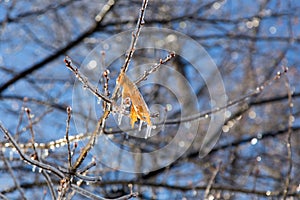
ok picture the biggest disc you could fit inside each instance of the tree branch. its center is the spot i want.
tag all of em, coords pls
(61, 51)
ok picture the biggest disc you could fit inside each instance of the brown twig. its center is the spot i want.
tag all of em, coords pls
(69, 111)
(131, 50)
(91, 142)
(135, 36)
(211, 181)
(105, 86)
(35, 156)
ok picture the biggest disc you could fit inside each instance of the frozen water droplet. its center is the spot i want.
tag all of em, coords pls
(98, 101)
(126, 102)
(168, 107)
(33, 168)
(11, 155)
(40, 170)
(52, 146)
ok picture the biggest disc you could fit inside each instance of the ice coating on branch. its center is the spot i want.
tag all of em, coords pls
(139, 109)
(148, 131)
(120, 116)
(140, 125)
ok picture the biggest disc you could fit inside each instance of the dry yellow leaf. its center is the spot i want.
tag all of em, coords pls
(139, 109)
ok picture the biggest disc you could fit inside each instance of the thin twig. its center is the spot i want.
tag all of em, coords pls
(69, 110)
(61, 142)
(88, 178)
(84, 81)
(2, 196)
(91, 195)
(132, 46)
(135, 36)
(20, 118)
(91, 142)
(64, 187)
(49, 184)
(289, 135)
(155, 67)
(211, 181)
(206, 114)
(36, 120)
(89, 166)
(17, 184)
(86, 193)
(35, 156)
(105, 86)
(95, 27)
(27, 158)
(29, 116)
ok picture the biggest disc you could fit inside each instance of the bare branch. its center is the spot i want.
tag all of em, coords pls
(27, 158)
(108, 7)
(135, 36)
(69, 111)
(16, 182)
(155, 67)
(98, 130)
(289, 135)
(84, 81)
(211, 181)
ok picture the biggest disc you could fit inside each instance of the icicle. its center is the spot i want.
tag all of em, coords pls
(40, 170)
(103, 123)
(148, 131)
(45, 153)
(33, 168)
(140, 126)
(120, 112)
(120, 118)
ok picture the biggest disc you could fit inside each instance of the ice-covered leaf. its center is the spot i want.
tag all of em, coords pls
(139, 109)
